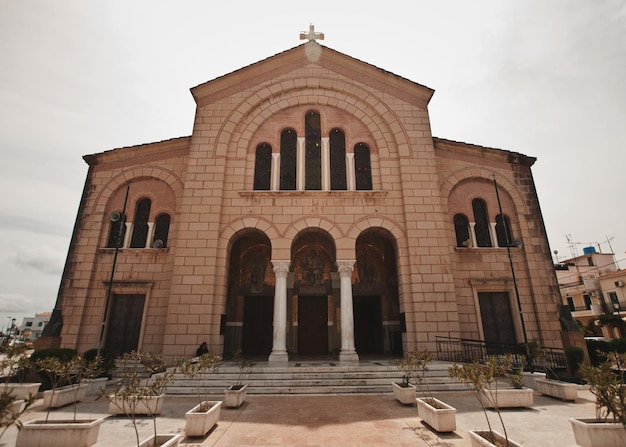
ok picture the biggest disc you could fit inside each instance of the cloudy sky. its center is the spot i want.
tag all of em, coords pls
(546, 78)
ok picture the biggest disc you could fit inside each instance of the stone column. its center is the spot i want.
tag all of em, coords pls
(348, 352)
(279, 341)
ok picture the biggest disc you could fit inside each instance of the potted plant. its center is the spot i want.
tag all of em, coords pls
(15, 365)
(142, 391)
(517, 396)
(552, 385)
(481, 377)
(409, 364)
(235, 395)
(434, 412)
(62, 432)
(11, 409)
(203, 417)
(606, 382)
(97, 376)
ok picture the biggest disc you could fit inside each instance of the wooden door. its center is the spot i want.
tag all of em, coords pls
(495, 313)
(258, 315)
(124, 323)
(312, 325)
(368, 326)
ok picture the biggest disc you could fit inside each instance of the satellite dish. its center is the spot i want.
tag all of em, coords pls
(158, 244)
(115, 216)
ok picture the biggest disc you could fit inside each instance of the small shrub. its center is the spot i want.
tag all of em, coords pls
(107, 360)
(575, 357)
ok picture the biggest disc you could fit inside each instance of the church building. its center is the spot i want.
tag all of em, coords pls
(310, 213)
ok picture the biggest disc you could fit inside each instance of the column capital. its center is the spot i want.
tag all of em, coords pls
(345, 267)
(281, 268)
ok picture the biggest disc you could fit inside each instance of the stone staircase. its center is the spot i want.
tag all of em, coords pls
(315, 378)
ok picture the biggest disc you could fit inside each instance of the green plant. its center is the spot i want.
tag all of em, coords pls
(483, 379)
(575, 357)
(606, 382)
(107, 360)
(143, 377)
(63, 354)
(11, 409)
(205, 364)
(60, 371)
(244, 365)
(413, 365)
(516, 378)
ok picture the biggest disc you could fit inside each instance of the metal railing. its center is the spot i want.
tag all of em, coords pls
(462, 350)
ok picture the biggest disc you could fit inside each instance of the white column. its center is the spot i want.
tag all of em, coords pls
(473, 234)
(128, 234)
(150, 235)
(279, 341)
(350, 171)
(348, 352)
(275, 177)
(325, 164)
(494, 234)
(300, 160)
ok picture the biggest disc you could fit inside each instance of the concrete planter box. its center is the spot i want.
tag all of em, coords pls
(404, 394)
(478, 440)
(198, 423)
(162, 441)
(14, 409)
(149, 405)
(437, 414)
(95, 386)
(23, 390)
(233, 398)
(508, 397)
(60, 433)
(594, 433)
(560, 390)
(64, 395)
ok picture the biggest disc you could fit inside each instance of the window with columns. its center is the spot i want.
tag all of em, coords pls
(481, 232)
(314, 162)
(140, 233)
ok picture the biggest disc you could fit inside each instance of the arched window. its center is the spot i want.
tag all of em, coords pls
(263, 167)
(461, 228)
(140, 224)
(313, 151)
(362, 166)
(162, 229)
(481, 219)
(503, 230)
(288, 144)
(337, 160)
(116, 238)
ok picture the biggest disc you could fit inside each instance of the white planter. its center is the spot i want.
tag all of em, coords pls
(437, 414)
(95, 386)
(591, 433)
(162, 441)
(64, 395)
(149, 405)
(198, 424)
(82, 433)
(23, 390)
(507, 397)
(476, 436)
(234, 398)
(405, 394)
(16, 407)
(560, 390)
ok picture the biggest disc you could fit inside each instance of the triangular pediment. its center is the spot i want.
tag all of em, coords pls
(304, 55)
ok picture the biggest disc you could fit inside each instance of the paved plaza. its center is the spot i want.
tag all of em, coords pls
(341, 420)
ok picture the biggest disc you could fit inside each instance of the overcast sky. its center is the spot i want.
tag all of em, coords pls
(546, 78)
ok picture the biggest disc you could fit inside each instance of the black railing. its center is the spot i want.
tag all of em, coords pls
(462, 350)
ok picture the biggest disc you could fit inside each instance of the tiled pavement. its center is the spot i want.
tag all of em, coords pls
(353, 420)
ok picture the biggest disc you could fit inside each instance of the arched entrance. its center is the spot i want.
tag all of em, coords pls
(250, 297)
(377, 319)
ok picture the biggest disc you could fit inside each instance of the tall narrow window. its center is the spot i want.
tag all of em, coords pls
(116, 232)
(362, 166)
(483, 239)
(503, 230)
(461, 228)
(162, 229)
(338, 160)
(140, 224)
(288, 145)
(263, 167)
(313, 151)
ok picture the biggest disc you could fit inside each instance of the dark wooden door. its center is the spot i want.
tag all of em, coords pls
(368, 325)
(258, 315)
(312, 325)
(495, 313)
(124, 323)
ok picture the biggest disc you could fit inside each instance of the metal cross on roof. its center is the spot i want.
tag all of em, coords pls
(311, 35)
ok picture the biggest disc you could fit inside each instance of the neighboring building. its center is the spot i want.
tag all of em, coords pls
(591, 286)
(310, 213)
(32, 327)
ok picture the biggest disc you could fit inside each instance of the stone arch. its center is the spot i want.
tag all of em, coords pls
(312, 222)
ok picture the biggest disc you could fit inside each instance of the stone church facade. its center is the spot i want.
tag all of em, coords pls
(310, 213)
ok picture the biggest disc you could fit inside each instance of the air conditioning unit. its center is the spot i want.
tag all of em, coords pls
(619, 283)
